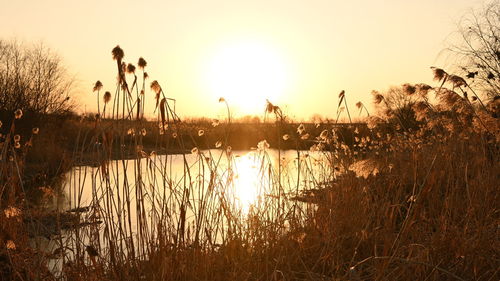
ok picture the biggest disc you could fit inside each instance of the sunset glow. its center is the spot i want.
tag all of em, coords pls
(246, 74)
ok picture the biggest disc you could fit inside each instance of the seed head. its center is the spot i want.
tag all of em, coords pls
(456, 81)
(12, 212)
(359, 104)
(18, 114)
(377, 97)
(324, 135)
(142, 63)
(221, 99)
(97, 86)
(17, 137)
(107, 97)
(301, 129)
(409, 89)
(130, 68)
(286, 137)
(117, 53)
(201, 133)
(218, 144)
(269, 107)
(143, 132)
(194, 150)
(439, 74)
(423, 89)
(155, 86)
(10, 245)
(342, 94)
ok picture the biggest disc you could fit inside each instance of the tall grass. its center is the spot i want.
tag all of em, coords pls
(381, 201)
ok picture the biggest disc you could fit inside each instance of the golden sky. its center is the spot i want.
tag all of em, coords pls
(299, 54)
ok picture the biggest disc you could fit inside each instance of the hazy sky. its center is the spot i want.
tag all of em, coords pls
(299, 54)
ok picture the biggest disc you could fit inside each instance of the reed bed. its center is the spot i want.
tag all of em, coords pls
(410, 194)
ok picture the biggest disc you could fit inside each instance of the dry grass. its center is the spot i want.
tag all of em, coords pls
(376, 202)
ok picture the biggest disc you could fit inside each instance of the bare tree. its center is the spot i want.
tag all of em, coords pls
(479, 47)
(33, 79)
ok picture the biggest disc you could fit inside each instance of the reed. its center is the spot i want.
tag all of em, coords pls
(373, 201)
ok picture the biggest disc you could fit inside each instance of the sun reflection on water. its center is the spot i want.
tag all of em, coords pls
(249, 182)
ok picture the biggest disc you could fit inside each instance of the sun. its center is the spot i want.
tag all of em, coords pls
(246, 74)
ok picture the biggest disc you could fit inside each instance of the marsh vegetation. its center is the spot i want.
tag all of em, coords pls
(408, 193)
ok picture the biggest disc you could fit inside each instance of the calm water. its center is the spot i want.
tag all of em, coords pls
(131, 196)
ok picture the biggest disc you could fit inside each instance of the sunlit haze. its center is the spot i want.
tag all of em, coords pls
(297, 54)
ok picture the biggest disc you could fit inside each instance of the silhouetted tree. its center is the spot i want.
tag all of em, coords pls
(33, 79)
(479, 47)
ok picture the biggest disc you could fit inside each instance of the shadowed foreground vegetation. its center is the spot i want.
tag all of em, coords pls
(412, 194)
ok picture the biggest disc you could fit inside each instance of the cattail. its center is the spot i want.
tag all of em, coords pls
(456, 81)
(130, 68)
(409, 89)
(97, 86)
(107, 97)
(439, 74)
(142, 63)
(146, 76)
(18, 114)
(117, 53)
